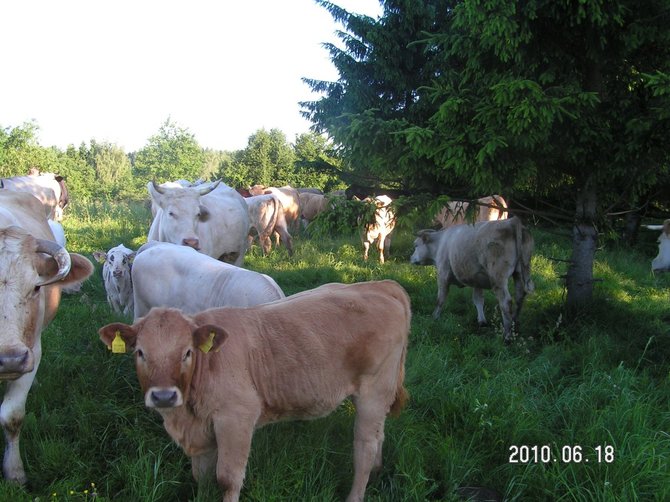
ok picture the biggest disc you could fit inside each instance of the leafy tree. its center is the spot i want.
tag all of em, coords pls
(267, 159)
(551, 98)
(171, 154)
(113, 170)
(80, 176)
(382, 71)
(317, 164)
(19, 151)
(231, 170)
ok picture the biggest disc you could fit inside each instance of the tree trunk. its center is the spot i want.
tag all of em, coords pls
(584, 241)
(631, 227)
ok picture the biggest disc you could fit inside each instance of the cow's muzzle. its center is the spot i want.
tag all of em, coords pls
(16, 362)
(192, 243)
(162, 397)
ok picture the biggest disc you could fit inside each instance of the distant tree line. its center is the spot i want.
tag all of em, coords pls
(104, 170)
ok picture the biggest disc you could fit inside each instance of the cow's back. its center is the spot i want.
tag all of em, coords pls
(30, 184)
(24, 210)
(169, 275)
(483, 253)
(319, 346)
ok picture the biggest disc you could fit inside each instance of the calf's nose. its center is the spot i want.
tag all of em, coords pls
(164, 398)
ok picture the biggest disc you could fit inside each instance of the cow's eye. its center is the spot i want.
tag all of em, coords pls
(188, 355)
(36, 290)
(111, 258)
(140, 354)
(170, 214)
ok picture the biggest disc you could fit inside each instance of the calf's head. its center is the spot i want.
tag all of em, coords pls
(118, 260)
(165, 343)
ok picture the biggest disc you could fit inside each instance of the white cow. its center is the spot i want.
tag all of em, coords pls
(210, 218)
(167, 275)
(380, 229)
(662, 261)
(33, 269)
(266, 215)
(482, 256)
(117, 264)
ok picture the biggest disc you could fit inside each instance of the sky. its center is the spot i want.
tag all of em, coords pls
(116, 70)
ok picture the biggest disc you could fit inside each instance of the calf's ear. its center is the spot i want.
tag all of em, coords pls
(100, 256)
(209, 337)
(113, 334)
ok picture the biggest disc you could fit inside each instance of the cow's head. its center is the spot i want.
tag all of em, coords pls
(118, 260)
(31, 273)
(166, 344)
(424, 248)
(181, 212)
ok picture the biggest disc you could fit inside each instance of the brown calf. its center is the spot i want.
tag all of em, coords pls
(296, 358)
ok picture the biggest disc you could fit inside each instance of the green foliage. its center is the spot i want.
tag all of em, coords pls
(172, 154)
(317, 164)
(267, 160)
(343, 217)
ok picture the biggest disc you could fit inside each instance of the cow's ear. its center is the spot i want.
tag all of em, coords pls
(100, 256)
(80, 269)
(425, 235)
(204, 214)
(118, 337)
(209, 337)
(131, 256)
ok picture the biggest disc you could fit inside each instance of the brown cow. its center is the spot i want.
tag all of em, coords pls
(266, 215)
(311, 204)
(483, 256)
(490, 208)
(33, 269)
(289, 198)
(275, 364)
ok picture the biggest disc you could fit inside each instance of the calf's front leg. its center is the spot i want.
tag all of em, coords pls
(233, 440)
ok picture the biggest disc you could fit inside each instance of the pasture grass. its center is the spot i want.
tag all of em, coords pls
(601, 379)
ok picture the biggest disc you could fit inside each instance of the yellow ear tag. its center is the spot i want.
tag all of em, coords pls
(118, 345)
(207, 346)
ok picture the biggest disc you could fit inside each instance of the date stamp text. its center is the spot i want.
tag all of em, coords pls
(567, 454)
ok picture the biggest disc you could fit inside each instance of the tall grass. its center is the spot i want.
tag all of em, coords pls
(603, 379)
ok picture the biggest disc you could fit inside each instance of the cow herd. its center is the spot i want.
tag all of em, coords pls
(218, 349)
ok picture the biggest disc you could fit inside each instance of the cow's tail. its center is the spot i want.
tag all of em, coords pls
(401, 394)
(524, 253)
(275, 213)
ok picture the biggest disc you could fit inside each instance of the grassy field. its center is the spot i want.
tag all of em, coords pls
(577, 412)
